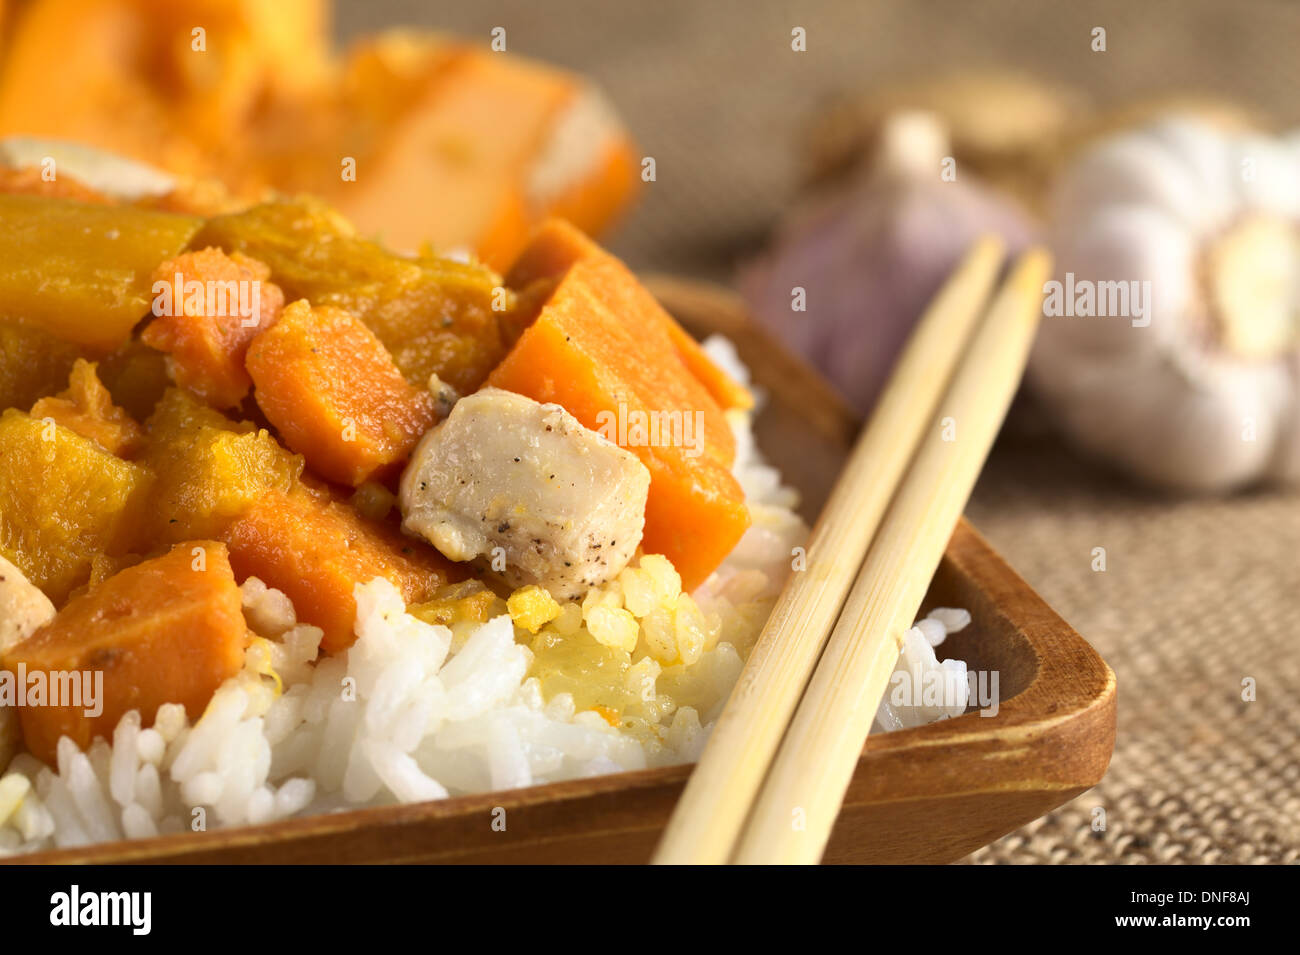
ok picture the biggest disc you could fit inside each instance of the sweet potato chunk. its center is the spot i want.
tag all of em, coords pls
(602, 349)
(169, 630)
(87, 408)
(210, 306)
(316, 550)
(557, 246)
(331, 389)
(63, 500)
(82, 271)
(465, 144)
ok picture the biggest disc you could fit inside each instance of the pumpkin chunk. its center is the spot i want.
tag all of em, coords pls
(136, 376)
(211, 476)
(63, 500)
(178, 413)
(601, 349)
(33, 363)
(169, 630)
(210, 306)
(317, 550)
(87, 408)
(82, 271)
(209, 469)
(433, 315)
(331, 389)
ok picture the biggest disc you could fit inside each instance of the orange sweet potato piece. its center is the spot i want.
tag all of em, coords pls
(557, 246)
(332, 390)
(169, 630)
(209, 307)
(599, 349)
(87, 408)
(316, 550)
(694, 515)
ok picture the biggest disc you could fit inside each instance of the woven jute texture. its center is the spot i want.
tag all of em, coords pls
(1197, 595)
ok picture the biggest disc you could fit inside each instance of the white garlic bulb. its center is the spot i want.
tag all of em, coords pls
(1170, 342)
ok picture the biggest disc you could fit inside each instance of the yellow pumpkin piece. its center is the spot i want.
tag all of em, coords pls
(81, 271)
(87, 408)
(136, 376)
(433, 315)
(63, 500)
(33, 363)
(179, 413)
(208, 475)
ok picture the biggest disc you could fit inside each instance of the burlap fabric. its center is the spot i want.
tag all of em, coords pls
(1197, 594)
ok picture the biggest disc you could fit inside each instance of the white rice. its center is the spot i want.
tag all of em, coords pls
(400, 717)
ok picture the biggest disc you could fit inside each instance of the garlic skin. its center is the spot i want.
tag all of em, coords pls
(871, 255)
(1202, 393)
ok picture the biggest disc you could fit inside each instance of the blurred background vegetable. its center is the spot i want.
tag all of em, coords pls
(852, 267)
(253, 93)
(1185, 196)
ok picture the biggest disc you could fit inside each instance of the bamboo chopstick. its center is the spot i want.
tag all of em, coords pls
(793, 815)
(705, 824)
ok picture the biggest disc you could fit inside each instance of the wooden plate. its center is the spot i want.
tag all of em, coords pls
(931, 794)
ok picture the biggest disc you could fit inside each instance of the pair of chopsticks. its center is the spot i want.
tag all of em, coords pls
(769, 784)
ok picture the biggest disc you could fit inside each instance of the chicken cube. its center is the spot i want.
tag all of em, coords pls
(565, 505)
(24, 608)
